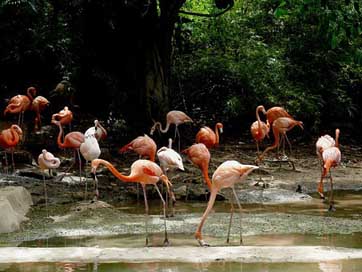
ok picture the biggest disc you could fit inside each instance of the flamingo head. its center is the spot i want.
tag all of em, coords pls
(153, 128)
(220, 126)
(262, 109)
(18, 130)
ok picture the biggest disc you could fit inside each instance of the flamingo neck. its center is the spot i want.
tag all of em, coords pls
(337, 138)
(115, 172)
(160, 127)
(258, 118)
(59, 139)
(31, 92)
(217, 134)
(205, 173)
(15, 137)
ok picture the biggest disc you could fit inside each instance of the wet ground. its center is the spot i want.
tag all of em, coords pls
(73, 223)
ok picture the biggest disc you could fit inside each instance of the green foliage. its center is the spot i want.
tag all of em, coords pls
(304, 55)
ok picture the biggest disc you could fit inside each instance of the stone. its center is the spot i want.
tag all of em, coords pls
(15, 202)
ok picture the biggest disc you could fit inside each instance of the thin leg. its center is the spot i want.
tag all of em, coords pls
(165, 242)
(6, 163)
(210, 204)
(179, 140)
(240, 215)
(290, 145)
(80, 172)
(257, 147)
(12, 159)
(146, 211)
(331, 202)
(45, 195)
(231, 220)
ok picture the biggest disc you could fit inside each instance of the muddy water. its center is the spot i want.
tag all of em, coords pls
(335, 266)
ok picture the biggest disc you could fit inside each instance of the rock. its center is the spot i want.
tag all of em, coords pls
(271, 195)
(15, 202)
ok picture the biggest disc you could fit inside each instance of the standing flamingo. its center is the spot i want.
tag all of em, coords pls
(274, 113)
(47, 161)
(143, 172)
(20, 103)
(208, 137)
(144, 146)
(98, 131)
(38, 104)
(9, 138)
(325, 142)
(90, 150)
(65, 116)
(169, 161)
(259, 129)
(226, 176)
(72, 140)
(200, 156)
(280, 128)
(173, 117)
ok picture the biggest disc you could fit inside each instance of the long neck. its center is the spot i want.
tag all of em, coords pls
(30, 92)
(15, 137)
(205, 173)
(160, 127)
(217, 134)
(337, 138)
(258, 118)
(59, 139)
(115, 172)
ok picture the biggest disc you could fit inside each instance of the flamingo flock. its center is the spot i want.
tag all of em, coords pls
(145, 170)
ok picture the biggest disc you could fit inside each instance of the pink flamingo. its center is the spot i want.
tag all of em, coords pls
(208, 137)
(9, 139)
(259, 129)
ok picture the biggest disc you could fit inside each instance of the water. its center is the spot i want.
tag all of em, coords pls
(335, 266)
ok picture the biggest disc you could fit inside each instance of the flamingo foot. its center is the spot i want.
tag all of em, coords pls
(321, 195)
(146, 244)
(203, 243)
(166, 242)
(331, 208)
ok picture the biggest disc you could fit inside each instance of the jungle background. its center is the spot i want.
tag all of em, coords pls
(131, 61)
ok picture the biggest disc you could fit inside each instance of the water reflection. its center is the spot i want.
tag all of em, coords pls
(333, 266)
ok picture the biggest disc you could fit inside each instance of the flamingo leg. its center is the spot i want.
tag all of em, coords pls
(12, 159)
(165, 242)
(80, 173)
(6, 163)
(331, 202)
(45, 195)
(230, 221)
(240, 215)
(290, 145)
(198, 235)
(146, 211)
(257, 147)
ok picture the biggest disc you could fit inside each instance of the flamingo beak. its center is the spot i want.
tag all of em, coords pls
(221, 130)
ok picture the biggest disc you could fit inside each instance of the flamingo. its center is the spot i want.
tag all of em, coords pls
(280, 128)
(173, 117)
(325, 142)
(143, 172)
(169, 161)
(200, 156)
(208, 137)
(20, 103)
(90, 150)
(72, 140)
(98, 131)
(38, 104)
(9, 138)
(226, 176)
(259, 129)
(46, 160)
(144, 146)
(65, 116)
(274, 113)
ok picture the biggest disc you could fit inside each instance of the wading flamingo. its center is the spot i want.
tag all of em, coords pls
(173, 117)
(144, 146)
(226, 176)
(90, 150)
(20, 103)
(259, 129)
(9, 138)
(200, 156)
(280, 128)
(274, 113)
(47, 161)
(170, 160)
(38, 104)
(331, 158)
(98, 131)
(144, 172)
(208, 137)
(72, 140)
